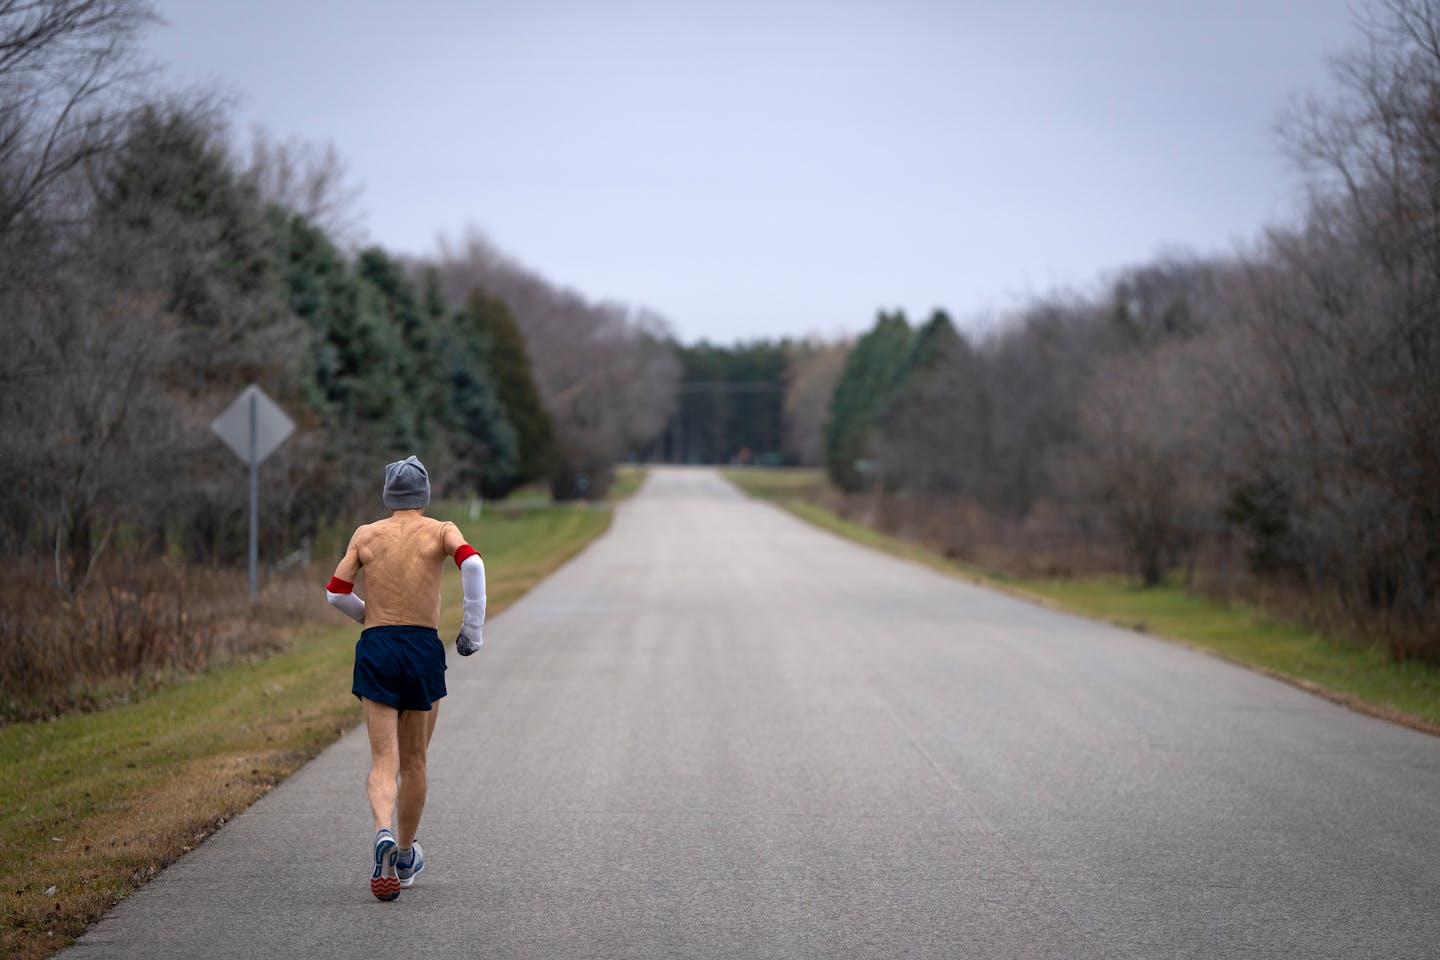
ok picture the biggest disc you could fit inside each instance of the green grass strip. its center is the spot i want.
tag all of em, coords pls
(92, 805)
(1363, 677)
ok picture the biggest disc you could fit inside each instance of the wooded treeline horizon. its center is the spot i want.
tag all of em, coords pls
(150, 268)
(1271, 415)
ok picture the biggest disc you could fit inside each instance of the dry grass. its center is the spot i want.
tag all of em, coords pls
(1045, 543)
(139, 624)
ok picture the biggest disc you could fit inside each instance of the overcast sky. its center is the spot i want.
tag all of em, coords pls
(766, 168)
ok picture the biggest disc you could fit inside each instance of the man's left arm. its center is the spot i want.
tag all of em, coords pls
(472, 582)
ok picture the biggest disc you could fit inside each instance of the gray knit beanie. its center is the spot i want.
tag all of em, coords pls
(407, 485)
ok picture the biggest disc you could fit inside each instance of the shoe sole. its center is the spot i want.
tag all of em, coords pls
(382, 886)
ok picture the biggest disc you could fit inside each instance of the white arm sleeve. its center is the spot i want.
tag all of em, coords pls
(348, 604)
(472, 581)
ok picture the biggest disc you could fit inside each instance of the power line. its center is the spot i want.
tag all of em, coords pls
(728, 386)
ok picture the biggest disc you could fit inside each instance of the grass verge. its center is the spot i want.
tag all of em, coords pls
(1361, 677)
(629, 477)
(194, 754)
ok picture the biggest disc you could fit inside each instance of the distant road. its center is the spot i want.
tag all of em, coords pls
(722, 733)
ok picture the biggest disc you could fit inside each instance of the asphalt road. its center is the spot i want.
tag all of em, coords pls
(722, 733)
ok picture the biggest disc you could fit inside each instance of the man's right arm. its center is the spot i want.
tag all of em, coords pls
(340, 591)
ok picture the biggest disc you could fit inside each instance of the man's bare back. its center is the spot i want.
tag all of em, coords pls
(403, 557)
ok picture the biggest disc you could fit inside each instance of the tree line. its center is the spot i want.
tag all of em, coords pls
(1277, 409)
(149, 270)
(762, 402)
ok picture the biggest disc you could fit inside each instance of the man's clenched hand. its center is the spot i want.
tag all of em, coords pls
(469, 640)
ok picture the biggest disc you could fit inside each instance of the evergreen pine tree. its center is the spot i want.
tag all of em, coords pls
(874, 372)
(179, 218)
(514, 381)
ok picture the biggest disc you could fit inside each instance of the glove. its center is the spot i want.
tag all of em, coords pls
(465, 644)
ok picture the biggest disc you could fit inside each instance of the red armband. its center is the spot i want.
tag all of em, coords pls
(465, 552)
(336, 585)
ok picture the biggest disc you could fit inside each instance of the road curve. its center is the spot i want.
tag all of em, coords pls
(722, 733)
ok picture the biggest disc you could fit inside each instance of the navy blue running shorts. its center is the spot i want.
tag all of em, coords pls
(401, 667)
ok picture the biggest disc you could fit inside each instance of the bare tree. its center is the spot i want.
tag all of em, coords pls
(308, 179)
(814, 368)
(65, 66)
(1034, 374)
(89, 425)
(77, 380)
(1343, 313)
(605, 372)
(128, 331)
(1143, 456)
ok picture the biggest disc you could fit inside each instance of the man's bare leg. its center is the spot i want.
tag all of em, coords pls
(414, 731)
(383, 725)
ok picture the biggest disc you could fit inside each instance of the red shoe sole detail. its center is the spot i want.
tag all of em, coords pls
(385, 888)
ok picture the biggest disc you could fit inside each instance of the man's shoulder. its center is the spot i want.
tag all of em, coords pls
(450, 535)
(367, 532)
(438, 529)
(447, 532)
(429, 525)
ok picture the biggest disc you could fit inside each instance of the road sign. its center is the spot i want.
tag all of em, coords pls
(253, 426)
(272, 426)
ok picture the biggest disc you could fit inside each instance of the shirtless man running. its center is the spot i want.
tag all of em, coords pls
(399, 659)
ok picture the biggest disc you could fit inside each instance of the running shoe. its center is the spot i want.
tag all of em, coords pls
(383, 881)
(408, 870)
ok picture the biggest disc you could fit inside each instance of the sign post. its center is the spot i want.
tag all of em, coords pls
(253, 426)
